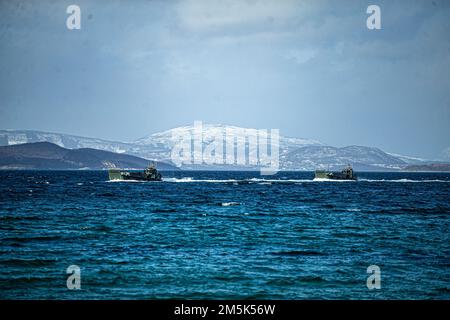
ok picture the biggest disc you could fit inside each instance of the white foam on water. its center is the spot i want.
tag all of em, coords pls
(259, 181)
(262, 181)
(331, 180)
(401, 180)
(42, 182)
(190, 179)
(185, 179)
(129, 181)
(228, 204)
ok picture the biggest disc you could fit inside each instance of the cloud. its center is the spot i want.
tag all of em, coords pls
(210, 15)
(300, 56)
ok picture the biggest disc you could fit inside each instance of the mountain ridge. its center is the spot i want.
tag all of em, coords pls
(47, 155)
(295, 153)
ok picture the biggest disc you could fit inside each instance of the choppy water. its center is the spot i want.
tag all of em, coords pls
(224, 235)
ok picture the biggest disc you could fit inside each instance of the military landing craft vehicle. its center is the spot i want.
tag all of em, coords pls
(149, 174)
(345, 174)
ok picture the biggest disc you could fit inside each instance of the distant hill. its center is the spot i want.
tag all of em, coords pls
(333, 158)
(436, 167)
(295, 153)
(46, 155)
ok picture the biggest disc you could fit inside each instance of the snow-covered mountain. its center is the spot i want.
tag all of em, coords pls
(168, 137)
(295, 153)
(12, 137)
(165, 140)
(324, 157)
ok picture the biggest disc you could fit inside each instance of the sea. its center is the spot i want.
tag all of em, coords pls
(224, 235)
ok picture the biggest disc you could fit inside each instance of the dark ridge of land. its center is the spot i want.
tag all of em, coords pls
(47, 156)
(434, 167)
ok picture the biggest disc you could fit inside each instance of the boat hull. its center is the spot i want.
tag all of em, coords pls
(333, 176)
(115, 174)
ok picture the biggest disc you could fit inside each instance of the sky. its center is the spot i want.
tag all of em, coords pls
(311, 69)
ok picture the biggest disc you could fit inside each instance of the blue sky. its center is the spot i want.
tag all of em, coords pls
(310, 68)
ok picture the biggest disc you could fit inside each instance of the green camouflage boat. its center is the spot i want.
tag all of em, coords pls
(345, 174)
(149, 174)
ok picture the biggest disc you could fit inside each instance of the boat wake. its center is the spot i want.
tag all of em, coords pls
(275, 181)
(270, 181)
(331, 180)
(190, 179)
(130, 181)
(239, 181)
(402, 180)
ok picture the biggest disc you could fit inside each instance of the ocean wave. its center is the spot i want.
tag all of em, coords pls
(19, 217)
(190, 179)
(402, 180)
(262, 181)
(28, 262)
(185, 179)
(298, 253)
(129, 181)
(331, 180)
(353, 209)
(237, 181)
(228, 204)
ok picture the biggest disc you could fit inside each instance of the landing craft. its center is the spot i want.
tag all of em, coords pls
(345, 174)
(149, 174)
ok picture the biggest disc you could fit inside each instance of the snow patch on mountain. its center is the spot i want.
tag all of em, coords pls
(407, 159)
(295, 153)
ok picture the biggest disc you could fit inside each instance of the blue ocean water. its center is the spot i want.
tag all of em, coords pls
(224, 235)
